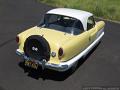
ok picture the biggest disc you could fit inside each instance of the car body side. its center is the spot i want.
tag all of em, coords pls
(71, 44)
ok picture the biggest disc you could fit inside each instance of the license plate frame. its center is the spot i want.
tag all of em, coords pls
(31, 64)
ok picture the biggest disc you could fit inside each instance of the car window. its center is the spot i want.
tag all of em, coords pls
(63, 23)
(90, 23)
(77, 27)
(52, 18)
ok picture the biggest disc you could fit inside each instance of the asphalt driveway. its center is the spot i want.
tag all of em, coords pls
(101, 67)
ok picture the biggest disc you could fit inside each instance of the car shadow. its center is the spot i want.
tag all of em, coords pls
(87, 56)
(48, 74)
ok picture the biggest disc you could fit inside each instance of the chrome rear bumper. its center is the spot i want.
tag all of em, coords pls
(57, 67)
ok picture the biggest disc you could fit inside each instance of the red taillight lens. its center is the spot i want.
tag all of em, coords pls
(17, 39)
(60, 52)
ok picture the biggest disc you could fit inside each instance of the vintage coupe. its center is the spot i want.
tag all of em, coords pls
(62, 38)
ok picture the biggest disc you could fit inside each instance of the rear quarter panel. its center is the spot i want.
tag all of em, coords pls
(75, 46)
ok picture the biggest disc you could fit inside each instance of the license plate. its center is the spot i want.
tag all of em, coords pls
(31, 64)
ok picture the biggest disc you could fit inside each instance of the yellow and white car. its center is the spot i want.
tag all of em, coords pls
(60, 40)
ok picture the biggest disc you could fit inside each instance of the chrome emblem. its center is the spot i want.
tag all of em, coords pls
(34, 49)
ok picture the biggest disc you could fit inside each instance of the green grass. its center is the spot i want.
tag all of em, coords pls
(108, 9)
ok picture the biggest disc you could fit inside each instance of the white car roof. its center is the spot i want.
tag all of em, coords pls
(78, 14)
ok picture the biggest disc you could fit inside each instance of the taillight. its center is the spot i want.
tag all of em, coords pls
(60, 52)
(17, 39)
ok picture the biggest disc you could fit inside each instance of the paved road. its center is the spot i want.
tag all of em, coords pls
(101, 67)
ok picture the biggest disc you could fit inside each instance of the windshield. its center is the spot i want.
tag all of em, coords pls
(62, 23)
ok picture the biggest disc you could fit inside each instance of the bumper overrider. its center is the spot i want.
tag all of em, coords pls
(63, 66)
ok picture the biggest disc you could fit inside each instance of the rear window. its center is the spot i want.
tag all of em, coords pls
(62, 23)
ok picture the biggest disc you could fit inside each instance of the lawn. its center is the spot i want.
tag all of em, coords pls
(108, 9)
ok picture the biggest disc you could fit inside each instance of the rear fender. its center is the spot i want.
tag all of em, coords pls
(100, 28)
